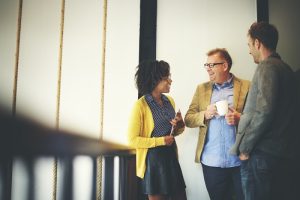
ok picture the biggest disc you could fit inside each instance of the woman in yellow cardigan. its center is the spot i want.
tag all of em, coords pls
(152, 128)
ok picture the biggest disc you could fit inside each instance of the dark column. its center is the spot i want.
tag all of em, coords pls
(128, 183)
(147, 50)
(148, 14)
(94, 179)
(5, 177)
(66, 164)
(262, 10)
(108, 177)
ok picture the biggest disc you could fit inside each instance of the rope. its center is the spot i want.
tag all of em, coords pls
(99, 159)
(54, 193)
(14, 103)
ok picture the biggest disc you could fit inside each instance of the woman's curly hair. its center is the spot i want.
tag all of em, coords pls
(148, 75)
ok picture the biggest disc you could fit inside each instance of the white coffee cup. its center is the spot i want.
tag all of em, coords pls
(222, 107)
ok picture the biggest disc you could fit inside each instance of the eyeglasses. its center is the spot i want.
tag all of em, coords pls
(211, 65)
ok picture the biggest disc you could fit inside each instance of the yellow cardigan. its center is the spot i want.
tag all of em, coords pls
(141, 125)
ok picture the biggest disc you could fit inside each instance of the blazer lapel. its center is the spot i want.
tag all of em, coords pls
(208, 93)
(236, 92)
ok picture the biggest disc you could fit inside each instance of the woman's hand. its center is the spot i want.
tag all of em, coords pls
(177, 122)
(169, 139)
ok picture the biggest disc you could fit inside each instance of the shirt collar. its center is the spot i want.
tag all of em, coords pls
(275, 55)
(149, 97)
(227, 83)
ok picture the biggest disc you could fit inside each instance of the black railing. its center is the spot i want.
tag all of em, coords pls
(27, 140)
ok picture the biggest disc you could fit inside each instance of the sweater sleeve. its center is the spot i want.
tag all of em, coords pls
(263, 113)
(137, 135)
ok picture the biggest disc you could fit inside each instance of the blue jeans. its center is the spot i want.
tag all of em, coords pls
(223, 183)
(257, 174)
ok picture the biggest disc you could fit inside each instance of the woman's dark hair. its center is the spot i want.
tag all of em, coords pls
(148, 75)
(266, 33)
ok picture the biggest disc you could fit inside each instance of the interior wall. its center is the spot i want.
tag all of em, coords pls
(285, 16)
(185, 32)
(81, 67)
(122, 56)
(8, 22)
(38, 60)
(82, 50)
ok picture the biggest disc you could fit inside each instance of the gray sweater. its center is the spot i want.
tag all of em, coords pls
(265, 123)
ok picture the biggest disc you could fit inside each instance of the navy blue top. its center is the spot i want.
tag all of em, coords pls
(162, 115)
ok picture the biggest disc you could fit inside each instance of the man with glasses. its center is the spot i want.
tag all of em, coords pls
(217, 133)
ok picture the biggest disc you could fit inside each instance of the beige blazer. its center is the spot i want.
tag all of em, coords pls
(195, 114)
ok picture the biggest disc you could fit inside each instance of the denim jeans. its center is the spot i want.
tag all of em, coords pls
(257, 173)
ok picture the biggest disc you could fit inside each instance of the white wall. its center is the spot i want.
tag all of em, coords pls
(38, 60)
(122, 57)
(81, 67)
(185, 32)
(81, 76)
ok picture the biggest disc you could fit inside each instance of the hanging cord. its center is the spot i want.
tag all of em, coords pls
(99, 159)
(62, 20)
(17, 55)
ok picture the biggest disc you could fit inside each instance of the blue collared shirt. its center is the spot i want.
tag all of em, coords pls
(220, 136)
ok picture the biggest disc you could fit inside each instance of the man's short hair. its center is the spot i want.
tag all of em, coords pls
(266, 33)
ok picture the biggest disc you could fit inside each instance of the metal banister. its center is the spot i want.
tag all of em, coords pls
(24, 138)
